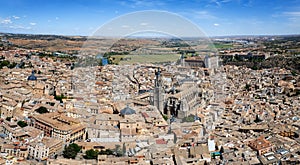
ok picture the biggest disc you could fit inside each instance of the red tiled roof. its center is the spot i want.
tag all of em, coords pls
(161, 141)
(260, 143)
(145, 115)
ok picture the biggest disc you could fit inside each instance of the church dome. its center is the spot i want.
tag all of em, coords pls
(32, 77)
(127, 111)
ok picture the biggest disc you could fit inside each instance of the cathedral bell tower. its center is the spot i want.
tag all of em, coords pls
(158, 97)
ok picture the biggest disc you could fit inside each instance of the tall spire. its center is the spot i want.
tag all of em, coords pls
(157, 75)
(158, 92)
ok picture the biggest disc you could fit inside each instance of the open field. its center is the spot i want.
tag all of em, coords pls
(130, 59)
(220, 46)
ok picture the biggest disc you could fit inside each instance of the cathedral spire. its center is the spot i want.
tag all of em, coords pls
(157, 78)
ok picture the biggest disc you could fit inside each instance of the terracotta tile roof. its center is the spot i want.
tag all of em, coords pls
(161, 141)
(260, 143)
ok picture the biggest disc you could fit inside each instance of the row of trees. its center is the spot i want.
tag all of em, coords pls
(7, 64)
(20, 123)
(71, 151)
(60, 97)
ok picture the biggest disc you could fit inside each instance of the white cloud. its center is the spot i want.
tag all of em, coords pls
(142, 3)
(293, 18)
(292, 14)
(218, 3)
(15, 17)
(10, 23)
(6, 21)
(19, 27)
(125, 26)
(204, 15)
(53, 20)
(143, 23)
(216, 24)
(225, 1)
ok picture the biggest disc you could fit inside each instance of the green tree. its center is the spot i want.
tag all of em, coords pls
(42, 110)
(294, 73)
(189, 118)
(165, 117)
(71, 151)
(124, 149)
(12, 65)
(22, 124)
(75, 146)
(8, 118)
(106, 152)
(247, 87)
(91, 154)
(5, 63)
(100, 62)
(60, 97)
(118, 150)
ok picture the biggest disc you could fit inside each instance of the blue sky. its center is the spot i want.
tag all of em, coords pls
(214, 17)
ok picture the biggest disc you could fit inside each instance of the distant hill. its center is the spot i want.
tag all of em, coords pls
(43, 37)
(292, 63)
(68, 44)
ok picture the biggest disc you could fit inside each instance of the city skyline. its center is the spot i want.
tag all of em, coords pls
(213, 17)
(219, 88)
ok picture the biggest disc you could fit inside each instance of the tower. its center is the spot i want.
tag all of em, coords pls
(211, 61)
(158, 100)
(182, 61)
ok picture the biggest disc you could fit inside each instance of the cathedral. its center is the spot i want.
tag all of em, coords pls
(179, 101)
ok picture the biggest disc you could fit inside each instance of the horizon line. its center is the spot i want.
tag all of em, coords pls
(90, 36)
